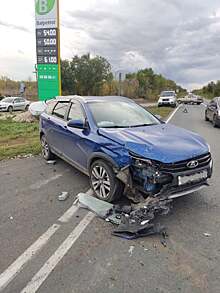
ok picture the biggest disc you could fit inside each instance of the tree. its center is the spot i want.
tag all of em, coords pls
(85, 75)
(67, 78)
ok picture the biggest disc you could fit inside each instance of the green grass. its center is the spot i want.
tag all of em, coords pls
(164, 112)
(18, 138)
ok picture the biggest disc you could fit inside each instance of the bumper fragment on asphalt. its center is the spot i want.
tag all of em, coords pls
(133, 220)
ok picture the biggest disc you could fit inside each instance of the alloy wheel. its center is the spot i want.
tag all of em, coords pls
(100, 181)
(45, 147)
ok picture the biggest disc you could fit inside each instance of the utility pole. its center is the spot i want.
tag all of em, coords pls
(120, 79)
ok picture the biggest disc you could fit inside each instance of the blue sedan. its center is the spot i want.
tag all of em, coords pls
(123, 148)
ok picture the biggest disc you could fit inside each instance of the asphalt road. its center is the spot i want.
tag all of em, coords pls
(50, 246)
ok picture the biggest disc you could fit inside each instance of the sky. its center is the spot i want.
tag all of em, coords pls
(177, 38)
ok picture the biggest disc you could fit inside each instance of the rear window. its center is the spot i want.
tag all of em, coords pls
(50, 107)
(60, 109)
(167, 94)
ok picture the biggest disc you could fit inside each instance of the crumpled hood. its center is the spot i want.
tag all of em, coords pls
(164, 142)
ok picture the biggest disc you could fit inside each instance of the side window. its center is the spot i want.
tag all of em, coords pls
(16, 101)
(50, 106)
(76, 112)
(60, 109)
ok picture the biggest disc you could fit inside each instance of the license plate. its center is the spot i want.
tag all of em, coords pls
(192, 178)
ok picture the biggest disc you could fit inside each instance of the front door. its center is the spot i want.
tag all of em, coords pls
(76, 140)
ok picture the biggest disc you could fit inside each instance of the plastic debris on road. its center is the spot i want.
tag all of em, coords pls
(51, 162)
(134, 220)
(130, 251)
(63, 196)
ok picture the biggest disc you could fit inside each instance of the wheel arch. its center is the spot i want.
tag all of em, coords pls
(41, 133)
(101, 156)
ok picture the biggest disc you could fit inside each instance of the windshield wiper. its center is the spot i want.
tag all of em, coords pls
(115, 126)
(145, 124)
(129, 126)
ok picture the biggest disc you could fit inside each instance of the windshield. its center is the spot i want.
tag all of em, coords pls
(7, 100)
(109, 114)
(167, 94)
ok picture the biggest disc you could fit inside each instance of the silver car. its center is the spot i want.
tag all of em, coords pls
(13, 104)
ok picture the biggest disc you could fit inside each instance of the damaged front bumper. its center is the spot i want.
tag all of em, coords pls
(166, 180)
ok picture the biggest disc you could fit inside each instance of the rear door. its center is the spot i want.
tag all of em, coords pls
(22, 104)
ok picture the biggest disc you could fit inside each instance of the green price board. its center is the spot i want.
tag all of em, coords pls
(48, 48)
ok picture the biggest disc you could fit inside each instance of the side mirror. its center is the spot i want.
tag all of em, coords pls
(76, 124)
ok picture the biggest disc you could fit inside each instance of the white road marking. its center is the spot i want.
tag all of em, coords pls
(52, 262)
(19, 263)
(10, 273)
(173, 113)
(43, 182)
(68, 214)
(89, 192)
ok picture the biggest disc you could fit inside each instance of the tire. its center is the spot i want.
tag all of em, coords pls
(104, 182)
(206, 118)
(26, 108)
(214, 121)
(46, 152)
(10, 109)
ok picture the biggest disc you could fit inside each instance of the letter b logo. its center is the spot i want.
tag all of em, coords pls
(44, 6)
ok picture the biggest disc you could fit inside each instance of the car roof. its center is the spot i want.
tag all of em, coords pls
(15, 97)
(86, 99)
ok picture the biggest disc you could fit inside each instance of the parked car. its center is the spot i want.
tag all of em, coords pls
(167, 98)
(212, 112)
(14, 103)
(191, 99)
(123, 147)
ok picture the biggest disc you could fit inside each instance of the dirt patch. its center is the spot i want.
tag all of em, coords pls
(25, 117)
(14, 142)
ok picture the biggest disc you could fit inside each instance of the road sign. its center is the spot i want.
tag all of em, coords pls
(48, 48)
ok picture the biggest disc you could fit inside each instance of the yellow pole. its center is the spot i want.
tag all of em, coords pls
(58, 38)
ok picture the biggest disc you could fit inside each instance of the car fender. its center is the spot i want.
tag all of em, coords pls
(10, 105)
(103, 156)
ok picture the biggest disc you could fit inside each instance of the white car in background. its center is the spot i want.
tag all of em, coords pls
(167, 98)
(10, 104)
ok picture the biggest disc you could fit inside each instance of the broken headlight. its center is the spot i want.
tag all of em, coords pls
(148, 172)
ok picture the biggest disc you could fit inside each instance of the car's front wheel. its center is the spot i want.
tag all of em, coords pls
(206, 118)
(10, 109)
(46, 152)
(104, 182)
